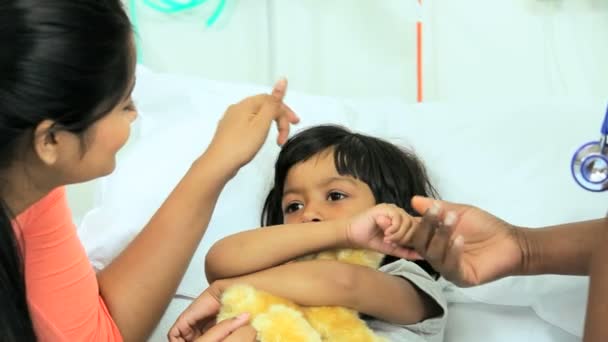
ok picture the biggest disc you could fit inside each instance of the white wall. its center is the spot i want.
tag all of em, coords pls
(473, 50)
(502, 51)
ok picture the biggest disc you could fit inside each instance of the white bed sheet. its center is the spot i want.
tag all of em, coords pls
(467, 322)
(500, 323)
(509, 158)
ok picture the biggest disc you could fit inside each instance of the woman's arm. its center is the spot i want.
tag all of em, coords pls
(332, 283)
(262, 248)
(596, 329)
(138, 285)
(474, 247)
(563, 249)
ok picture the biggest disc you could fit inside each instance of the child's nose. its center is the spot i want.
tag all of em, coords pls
(311, 215)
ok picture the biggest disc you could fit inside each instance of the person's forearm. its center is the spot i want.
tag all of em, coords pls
(262, 248)
(244, 334)
(563, 249)
(596, 329)
(138, 285)
(333, 283)
(308, 283)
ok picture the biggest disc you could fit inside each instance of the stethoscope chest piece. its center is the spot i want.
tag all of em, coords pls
(590, 166)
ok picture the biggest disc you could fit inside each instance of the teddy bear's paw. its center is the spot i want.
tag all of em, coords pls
(360, 257)
(284, 324)
(328, 255)
(239, 298)
(338, 324)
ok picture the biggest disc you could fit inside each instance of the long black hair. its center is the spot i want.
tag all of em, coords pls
(394, 174)
(69, 61)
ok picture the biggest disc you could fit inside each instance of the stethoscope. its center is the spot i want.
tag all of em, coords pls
(590, 162)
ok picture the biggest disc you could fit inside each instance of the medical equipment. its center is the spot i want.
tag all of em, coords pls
(171, 7)
(419, 67)
(590, 162)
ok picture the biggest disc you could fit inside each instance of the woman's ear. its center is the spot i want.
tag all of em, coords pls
(45, 144)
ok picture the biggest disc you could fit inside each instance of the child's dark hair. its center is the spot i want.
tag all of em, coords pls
(393, 174)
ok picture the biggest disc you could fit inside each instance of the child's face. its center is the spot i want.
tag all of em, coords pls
(314, 191)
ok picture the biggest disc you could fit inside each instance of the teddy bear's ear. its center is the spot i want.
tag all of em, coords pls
(360, 257)
(307, 257)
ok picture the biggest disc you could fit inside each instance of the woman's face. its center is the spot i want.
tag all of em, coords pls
(92, 154)
(105, 138)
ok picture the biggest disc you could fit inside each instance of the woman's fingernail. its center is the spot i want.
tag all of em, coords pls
(242, 317)
(458, 242)
(435, 208)
(450, 218)
(281, 83)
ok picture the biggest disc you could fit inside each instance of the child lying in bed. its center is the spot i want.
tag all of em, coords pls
(327, 178)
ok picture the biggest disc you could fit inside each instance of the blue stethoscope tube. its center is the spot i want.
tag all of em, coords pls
(589, 164)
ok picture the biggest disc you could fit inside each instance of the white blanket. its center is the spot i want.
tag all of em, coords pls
(509, 158)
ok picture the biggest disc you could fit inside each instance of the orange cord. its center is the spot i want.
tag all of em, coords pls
(419, 75)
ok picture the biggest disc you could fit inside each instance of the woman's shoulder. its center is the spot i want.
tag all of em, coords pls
(52, 206)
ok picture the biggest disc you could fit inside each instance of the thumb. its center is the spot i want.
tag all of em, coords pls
(422, 204)
(384, 222)
(224, 328)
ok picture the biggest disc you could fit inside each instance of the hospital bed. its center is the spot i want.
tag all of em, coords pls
(510, 158)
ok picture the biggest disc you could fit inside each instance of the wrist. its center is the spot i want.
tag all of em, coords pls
(342, 234)
(219, 286)
(216, 166)
(529, 249)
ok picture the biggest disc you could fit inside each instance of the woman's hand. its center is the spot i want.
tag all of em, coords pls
(197, 322)
(467, 245)
(244, 127)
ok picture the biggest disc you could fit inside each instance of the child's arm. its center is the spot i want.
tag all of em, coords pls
(262, 248)
(259, 249)
(331, 283)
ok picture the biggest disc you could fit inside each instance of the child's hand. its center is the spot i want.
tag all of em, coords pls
(367, 230)
(400, 234)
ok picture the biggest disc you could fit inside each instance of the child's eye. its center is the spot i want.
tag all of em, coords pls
(292, 207)
(335, 196)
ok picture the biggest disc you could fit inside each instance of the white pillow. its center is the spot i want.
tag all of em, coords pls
(509, 158)
(179, 116)
(483, 322)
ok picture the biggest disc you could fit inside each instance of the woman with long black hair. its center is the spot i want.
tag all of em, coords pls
(66, 76)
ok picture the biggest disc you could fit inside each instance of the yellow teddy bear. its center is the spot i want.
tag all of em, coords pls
(277, 319)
